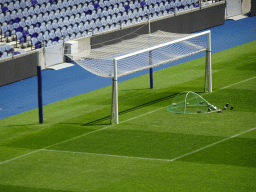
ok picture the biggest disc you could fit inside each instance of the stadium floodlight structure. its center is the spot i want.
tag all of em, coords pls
(143, 52)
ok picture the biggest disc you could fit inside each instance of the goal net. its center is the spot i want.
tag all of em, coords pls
(142, 52)
(188, 102)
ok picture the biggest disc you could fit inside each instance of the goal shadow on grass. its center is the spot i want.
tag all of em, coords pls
(155, 101)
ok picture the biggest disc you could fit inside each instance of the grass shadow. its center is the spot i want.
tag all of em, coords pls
(98, 121)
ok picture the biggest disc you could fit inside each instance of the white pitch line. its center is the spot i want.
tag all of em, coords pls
(238, 82)
(3, 162)
(105, 127)
(154, 159)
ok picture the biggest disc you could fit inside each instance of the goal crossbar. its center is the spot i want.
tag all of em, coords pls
(163, 45)
(208, 77)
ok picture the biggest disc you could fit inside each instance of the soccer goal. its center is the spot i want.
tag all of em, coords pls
(143, 52)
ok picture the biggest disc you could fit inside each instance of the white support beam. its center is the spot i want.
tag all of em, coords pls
(163, 45)
(209, 62)
(115, 92)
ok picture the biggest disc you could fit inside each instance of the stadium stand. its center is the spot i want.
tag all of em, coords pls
(30, 22)
(28, 25)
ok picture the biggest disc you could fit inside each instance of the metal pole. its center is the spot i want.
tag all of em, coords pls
(116, 91)
(206, 72)
(40, 100)
(209, 63)
(150, 57)
(112, 103)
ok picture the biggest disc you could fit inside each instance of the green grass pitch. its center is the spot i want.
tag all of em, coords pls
(76, 149)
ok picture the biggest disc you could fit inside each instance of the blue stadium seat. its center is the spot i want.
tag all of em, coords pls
(4, 55)
(48, 7)
(85, 33)
(49, 43)
(49, 26)
(104, 22)
(107, 3)
(63, 13)
(58, 34)
(34, 41)
(43, 9)
(23, 40)
(73, 36)
(139, 4)
(87, 25)
(70, 30)
(10, 27)
(2, 49)
(19, 35)
(105, 11)
(43, 28)
(60, 5)
(37, 29)
(151, 9)
(130, 14)
(16, 5)
(46, 37)
(157, 8)
(2, 19)
(121, 8)
(52, 35)
(80, 9)
(40, 37)
(89, 17)
(66, 22)
(127, 7)
(8, 48)
(172, 4)
(132, 6)
(109, 20)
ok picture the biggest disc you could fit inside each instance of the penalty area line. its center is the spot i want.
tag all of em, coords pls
(153, 159)
(45, 148)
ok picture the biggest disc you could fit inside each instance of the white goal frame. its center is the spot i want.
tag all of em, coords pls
(208, 72)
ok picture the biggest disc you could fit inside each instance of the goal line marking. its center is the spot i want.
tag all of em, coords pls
(154, 159)
(3, 162)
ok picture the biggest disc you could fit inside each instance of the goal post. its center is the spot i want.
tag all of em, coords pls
(208, 76)
(145, 51)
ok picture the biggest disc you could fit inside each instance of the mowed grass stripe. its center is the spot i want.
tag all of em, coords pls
(225, 166)
(79, 136)
(34, 145)
(157, 159)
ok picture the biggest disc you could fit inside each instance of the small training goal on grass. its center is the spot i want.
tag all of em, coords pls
(188, 102)
(143, 52)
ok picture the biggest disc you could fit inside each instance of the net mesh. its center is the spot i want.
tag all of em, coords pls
(189, 102)
(99, 61)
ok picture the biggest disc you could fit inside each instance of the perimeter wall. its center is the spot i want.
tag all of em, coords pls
(24, 65)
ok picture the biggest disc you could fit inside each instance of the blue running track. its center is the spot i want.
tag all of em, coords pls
(61, 84)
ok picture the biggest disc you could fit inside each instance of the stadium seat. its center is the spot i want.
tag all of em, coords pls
(4, 28)
(87, 25)
(73, 36)
(8, 48)
(85, 33)
(2, 49)
(23, 40)
(49, 43)
(4, 55)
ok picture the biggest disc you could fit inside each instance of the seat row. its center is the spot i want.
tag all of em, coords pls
(41, 8)
(85, 22)
(8, 51)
